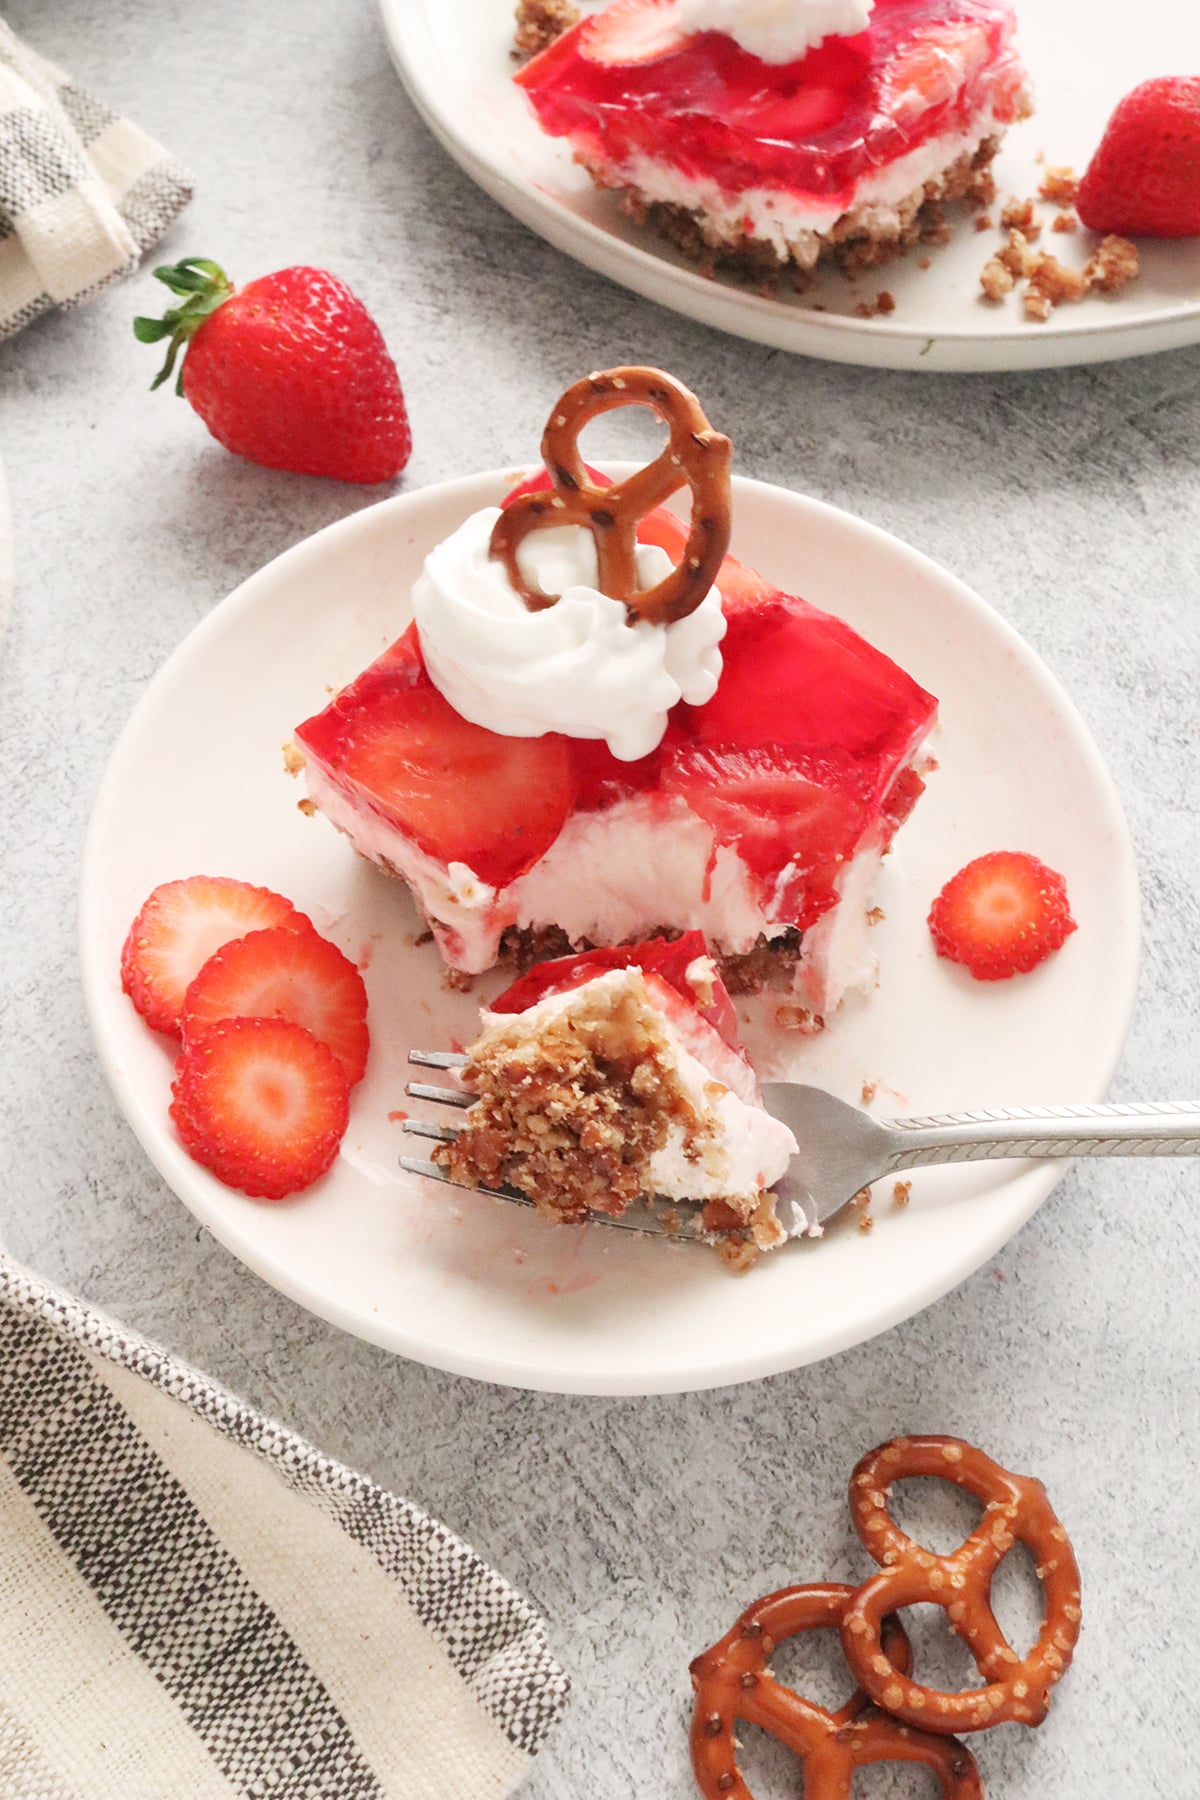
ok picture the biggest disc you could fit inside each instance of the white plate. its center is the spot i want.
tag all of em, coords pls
(453, 56)
(196, 784)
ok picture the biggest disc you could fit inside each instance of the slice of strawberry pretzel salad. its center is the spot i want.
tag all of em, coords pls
(578, 743)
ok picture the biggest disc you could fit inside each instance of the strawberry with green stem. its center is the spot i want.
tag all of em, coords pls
(289, 371)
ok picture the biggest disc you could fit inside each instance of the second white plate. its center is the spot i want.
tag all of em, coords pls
(196, 785)
(453, 56)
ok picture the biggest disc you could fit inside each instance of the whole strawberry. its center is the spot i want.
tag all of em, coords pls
(1144, 180)
(290, 370)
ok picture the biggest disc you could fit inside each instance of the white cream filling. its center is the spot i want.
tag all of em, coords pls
(771, 214)
(615, 876)
(777, 31)
(747, 1149)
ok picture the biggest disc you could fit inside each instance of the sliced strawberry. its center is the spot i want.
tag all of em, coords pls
(674, 961)
(262, 1104)
(632, 31)
(1002, 915)
(465, 794)
(931, 67)
(180, 927)
(284, 974)
(780, 809)
(793, 675)
(1144, 180)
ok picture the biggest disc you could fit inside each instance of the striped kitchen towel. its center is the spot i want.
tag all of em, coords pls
(83, 193)
(197, 1605)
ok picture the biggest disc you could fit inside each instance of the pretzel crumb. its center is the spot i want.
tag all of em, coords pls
(876, 915)
(1017, 257)
(540, 23)
(1059, 184)
(1115, 264)
(307, 807)
(1020, 215)
(458, 981)
(866, 1222)
(996, 279)
(1064, 221)
(293, 760)
(902, 1193)
(883, 303)
(984, 222)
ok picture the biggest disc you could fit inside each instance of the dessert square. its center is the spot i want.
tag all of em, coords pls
(764, 137)
(739, 769)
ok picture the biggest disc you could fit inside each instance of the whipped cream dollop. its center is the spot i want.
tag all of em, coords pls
(577, 667)
(777, 31)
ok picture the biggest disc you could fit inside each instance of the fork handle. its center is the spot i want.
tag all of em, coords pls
(1166, 1129)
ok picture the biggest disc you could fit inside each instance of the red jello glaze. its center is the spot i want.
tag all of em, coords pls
(812, 128)
(463, 793)
(792, 763)
(670, 960)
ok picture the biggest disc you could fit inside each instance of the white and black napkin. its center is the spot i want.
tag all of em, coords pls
(83, 192)
(195, 1604)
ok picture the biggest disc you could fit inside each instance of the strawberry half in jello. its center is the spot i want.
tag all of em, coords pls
(755, 816)
(773, 155)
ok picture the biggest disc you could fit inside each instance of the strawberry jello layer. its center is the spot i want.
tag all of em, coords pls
(845, 144)
(759, 816)
(615, 1077)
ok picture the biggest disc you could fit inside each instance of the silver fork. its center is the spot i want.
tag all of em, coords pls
(843, 1149)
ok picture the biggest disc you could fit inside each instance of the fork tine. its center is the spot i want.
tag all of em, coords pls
(438, 1059)
(422, 1128)
(421, 1090)
(434, 1172)
(645, 1222)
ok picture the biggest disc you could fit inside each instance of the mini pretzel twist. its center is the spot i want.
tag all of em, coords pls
(1016, 1510)
(731, 1683)
(696, 456)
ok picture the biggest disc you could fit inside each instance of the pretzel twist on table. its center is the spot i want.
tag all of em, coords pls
(695, 456)
(732, 1683)
(1016, 1510)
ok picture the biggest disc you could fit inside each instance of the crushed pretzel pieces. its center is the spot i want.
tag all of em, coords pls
(1049, 282)
(902, 1193)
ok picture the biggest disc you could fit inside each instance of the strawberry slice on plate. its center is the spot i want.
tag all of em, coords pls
(285, 974)
(261, 1104)
(180, 926)
(1002, 915)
